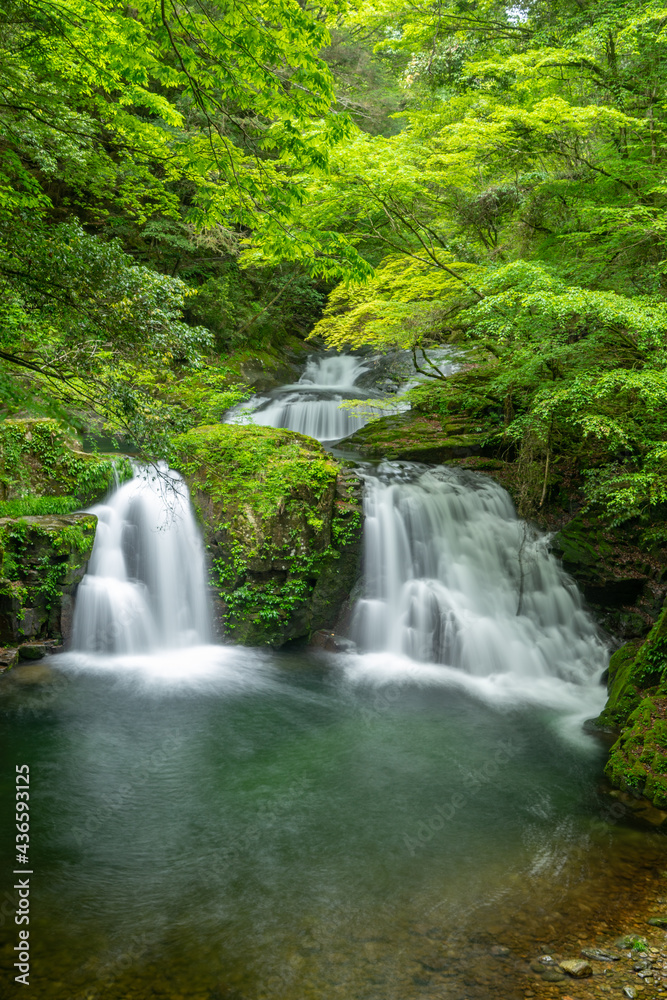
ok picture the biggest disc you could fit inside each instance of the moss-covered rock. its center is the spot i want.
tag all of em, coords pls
(638, 760)
(637, 706)
(42, 560)
(624, 691)
(609, 570)
(282, 523)
(40, 465)
(415, 437)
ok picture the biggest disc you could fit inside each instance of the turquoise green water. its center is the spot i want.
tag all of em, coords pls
(236, 825)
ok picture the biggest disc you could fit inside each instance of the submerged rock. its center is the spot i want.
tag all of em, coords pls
(600, 955)
(576, 967)
(499, 951)
(282, 522)
(332, 643)
(552, 976)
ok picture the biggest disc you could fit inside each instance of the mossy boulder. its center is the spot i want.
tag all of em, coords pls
(638, 760)
(42, 469)
(416, 437)
(282, 523)
(637, 706)
(623, 686)
(42, 560)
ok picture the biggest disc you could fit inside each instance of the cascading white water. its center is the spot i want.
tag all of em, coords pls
(145, 588)
(335, 371)
(312, 405)
(452, 576)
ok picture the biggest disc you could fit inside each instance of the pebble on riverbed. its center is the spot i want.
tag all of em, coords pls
(600, 954)
(576, 967)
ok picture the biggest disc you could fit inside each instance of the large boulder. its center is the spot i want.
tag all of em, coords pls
(282, 523)
(42, 560)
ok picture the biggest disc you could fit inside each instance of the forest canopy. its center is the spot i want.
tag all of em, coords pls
(181, 180)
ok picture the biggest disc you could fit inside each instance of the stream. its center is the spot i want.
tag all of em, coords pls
(416, 819)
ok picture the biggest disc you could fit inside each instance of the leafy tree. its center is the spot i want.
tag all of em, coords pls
(520, 213)
(173, 131)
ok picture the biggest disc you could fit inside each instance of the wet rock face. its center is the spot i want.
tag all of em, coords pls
(415, 437)
(42, 560)
(282, 523)
(621, 575)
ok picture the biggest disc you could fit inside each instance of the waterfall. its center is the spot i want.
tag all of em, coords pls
(312, 405)
(333, 371)
(145, 588)
(452, 576)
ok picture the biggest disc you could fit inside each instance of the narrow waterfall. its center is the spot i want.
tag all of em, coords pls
(312, 405)
(452, 576)
(146, 583)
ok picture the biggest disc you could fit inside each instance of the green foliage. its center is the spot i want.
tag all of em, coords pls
(38, 506)
(38, 457)
(519, 215)
(246, 308)
(141, 146)
(122, 105)
(39, 557)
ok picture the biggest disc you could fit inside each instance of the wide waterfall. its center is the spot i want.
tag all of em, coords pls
(146, 583)
(312, 405)
(452, 576)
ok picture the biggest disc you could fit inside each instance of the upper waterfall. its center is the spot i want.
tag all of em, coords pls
(334, 371)
(452, 576)
(312, 405)
(146, 583)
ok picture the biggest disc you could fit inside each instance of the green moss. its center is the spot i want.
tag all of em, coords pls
(38, 458)
(580, 545)
(651, 662)
(624, 694)
(38, 505)
(638, 760)
(41, 560)
(638, 703)
(413, 436)
(282, 525)
(256, 468)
